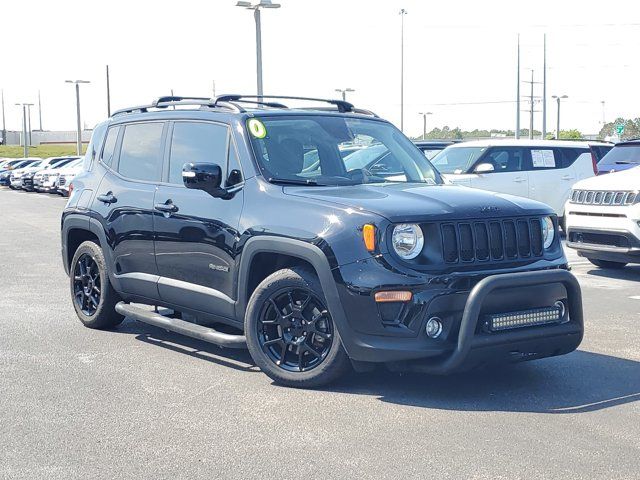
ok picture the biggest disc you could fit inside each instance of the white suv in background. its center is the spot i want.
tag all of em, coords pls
(543, 170)
(603, 219)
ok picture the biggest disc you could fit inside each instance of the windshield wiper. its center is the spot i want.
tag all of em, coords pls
(293, 181)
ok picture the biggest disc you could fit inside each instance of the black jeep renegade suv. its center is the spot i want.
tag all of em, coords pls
(318, 238)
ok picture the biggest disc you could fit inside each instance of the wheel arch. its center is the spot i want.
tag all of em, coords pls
(287, 248)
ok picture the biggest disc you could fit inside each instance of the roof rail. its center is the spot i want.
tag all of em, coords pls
(343, 106)
(167, 101)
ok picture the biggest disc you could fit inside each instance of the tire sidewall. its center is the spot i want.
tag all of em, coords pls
(102, 317)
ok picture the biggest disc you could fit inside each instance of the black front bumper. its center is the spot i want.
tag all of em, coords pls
(468, 345)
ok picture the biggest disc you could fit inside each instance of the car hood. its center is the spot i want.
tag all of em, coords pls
(623, 180)
(412, 202)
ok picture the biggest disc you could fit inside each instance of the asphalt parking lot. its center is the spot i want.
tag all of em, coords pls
(140, 402)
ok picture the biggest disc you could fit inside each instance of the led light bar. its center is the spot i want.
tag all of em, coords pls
(526, 318)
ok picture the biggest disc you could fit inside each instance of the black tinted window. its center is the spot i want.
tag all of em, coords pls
(141, 152)
(568, 156)
(194, 142)
(109, 146)
(601, 151)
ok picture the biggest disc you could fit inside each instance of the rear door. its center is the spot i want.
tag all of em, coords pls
(133, 154)
(510, 174)
(195, 243)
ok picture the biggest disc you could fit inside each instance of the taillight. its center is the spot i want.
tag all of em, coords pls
(70, 188)
(594, 161)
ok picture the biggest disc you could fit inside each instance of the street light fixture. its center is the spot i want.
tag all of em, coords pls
(558, 120)
(256, 15)
(344, 91)
(424, 123)
(79, 139)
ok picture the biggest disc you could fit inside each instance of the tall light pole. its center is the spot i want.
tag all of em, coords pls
(256, 15)
(558, 120)
(25, 141)
(403, 12)
(603, 121)
(40, 110)
(343, 92)
(29, 105)
(544, 88)
(4, 126)
(79, 139)
(108, 94)
(424, 123)
(517, 132)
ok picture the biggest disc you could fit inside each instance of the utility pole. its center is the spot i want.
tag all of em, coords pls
(424, 123)
(4, 126)
(108, 94)
(531, 110)
(544, 88)
(517, 133)
(79, 123)
(403, 12)
(558, 97)
(213, 85)
(25, 142)
(40, 110)
(603, 121)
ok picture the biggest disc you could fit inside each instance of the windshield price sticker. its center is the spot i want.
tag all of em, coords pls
(543, 159)
(257, 128)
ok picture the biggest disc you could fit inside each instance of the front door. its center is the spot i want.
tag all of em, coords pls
(196, 236)
(509, 175)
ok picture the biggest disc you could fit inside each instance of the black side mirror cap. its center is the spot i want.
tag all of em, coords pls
(204, 176)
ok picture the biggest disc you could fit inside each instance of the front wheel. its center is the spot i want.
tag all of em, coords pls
(607, 264)
(94, 299)
(290, 333)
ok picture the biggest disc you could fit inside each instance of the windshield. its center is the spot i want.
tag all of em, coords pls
(621, 155)
(333, 150)
(457, 159)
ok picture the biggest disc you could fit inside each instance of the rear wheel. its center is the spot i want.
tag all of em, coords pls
(290, 333)
(607, 264)
(94, 299)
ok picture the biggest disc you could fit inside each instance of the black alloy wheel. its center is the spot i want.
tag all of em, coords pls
(87, 287)
(295, 329)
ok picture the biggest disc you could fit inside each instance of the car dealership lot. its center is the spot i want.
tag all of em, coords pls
(138, 401)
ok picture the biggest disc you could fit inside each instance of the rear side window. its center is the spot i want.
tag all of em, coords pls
(600, 151)
(567, 156)
(141, 152)
(109, 149)
(197, 142)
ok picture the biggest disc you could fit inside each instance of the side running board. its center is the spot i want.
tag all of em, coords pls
(189, 329)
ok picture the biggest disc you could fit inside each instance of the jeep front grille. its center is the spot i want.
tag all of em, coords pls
(597, 197)
(509, 239)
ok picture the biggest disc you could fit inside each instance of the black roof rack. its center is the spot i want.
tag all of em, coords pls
(343, 106)
(167, 101)
(230, 102)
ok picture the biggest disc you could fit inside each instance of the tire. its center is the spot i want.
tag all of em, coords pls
(607, 264)
(313, 352)
(95, 306)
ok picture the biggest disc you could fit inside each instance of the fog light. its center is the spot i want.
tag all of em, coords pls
(434, 327)
(561, 308)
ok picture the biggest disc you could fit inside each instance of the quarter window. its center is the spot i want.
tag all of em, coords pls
(505, 159)
(141, 153)
(109, 146)
(196, 142)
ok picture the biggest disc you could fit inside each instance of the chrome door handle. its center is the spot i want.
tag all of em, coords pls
(567, 177)
(519, 180)
(166, 207)
(107, 198)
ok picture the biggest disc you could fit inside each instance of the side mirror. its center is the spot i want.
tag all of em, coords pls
(204, 176)
(484, 168)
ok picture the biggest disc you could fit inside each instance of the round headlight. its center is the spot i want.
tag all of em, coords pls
(548, 232)
(407, 240)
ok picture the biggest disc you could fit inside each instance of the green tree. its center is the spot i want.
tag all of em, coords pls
(570, 134)
(631, 128)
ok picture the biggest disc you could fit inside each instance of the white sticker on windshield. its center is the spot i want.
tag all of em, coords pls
(543, 159)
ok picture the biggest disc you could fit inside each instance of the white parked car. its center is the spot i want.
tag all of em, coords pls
(603, 219)
(66, 175)
(15, 178)
(543, 170)
(49, 173)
